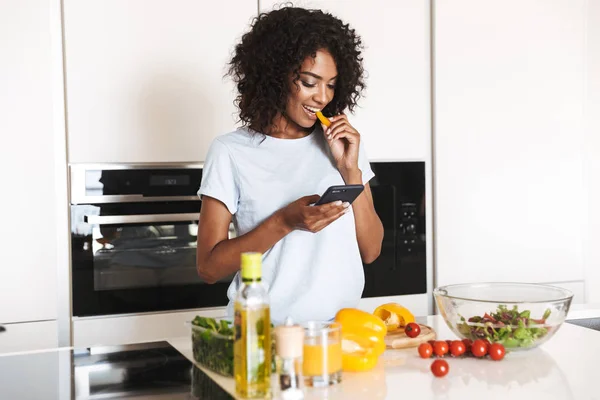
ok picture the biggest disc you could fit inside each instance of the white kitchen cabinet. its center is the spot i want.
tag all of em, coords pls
(592, 153)
(30, 188)
(144, 78)
(509, 133)
(151, 327)
(394, 116)
(28, 336)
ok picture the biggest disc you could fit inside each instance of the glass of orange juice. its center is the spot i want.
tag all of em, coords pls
(322, 357)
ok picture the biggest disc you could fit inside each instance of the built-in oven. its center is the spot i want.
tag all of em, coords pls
(133, 240)
(399, 197)
(134, 231)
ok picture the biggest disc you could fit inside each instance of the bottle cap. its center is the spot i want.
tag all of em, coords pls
(289, 340)
(251, 265)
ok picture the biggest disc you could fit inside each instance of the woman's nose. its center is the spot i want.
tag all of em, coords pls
(322, 96)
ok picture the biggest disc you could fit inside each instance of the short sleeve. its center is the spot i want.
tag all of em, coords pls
(364, 165)
(219, 176)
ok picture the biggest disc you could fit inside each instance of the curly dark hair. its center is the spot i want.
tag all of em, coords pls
(276, 45)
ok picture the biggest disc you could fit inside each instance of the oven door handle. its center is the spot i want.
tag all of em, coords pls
(140, 219)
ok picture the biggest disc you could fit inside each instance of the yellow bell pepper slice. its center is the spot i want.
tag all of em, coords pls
(363, 340)
(353, 319)
(358, 362)
(324, 120)
(394, 316)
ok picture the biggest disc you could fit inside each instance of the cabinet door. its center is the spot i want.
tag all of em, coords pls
(394, 115)
(28, 336)
(145, 77)
(28, 203)
(509, 97)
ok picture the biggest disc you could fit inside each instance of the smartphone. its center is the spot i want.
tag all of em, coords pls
(347, 193)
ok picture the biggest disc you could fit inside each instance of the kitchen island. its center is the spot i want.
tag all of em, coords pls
(563, 368)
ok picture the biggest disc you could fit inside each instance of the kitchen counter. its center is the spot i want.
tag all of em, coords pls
(564, 368)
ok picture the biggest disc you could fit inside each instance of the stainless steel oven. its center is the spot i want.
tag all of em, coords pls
(133, 235)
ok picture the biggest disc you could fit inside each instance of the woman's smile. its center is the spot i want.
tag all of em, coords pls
(311, 111)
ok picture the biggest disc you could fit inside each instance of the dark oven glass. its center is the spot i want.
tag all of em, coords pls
(139, 256)
(137, 267)
(399, 198)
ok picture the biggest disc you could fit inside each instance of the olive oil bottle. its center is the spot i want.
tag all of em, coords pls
(252, 322)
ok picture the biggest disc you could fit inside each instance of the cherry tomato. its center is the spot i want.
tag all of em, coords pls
(496, 352)
(479, 348)
(440, 368)
(440, 348)
(449, 343)
(425, 350)
(468, 343)
(487, 345)
(457, 348)
(431, 342)
(412, 330)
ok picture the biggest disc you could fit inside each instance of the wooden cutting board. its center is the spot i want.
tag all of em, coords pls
(399, 340)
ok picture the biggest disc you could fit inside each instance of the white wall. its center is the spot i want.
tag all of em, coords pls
(592, 148)
(509, 134)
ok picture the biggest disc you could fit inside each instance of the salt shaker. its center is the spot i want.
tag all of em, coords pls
(289, 342)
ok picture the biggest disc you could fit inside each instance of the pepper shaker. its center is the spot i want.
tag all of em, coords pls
(289, 342)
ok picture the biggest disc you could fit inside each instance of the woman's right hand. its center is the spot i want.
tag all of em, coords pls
(301, 215)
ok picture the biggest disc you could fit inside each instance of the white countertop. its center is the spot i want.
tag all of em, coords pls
(564, 368)
(579, 311)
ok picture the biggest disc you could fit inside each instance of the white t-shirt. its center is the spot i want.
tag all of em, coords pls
(309, 276)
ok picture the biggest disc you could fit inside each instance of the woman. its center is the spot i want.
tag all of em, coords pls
(267, 174)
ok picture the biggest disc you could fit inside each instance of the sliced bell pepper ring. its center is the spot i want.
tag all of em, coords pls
(394, 316)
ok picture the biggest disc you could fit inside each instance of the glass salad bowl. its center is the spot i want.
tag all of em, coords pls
(520, 316)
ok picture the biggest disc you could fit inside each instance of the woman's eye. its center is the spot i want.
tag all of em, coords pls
(308, 85)
(332, 87)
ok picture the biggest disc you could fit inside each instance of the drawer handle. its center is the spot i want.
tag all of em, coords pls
(140, 219)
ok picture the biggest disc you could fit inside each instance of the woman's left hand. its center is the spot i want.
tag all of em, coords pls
(344, 142)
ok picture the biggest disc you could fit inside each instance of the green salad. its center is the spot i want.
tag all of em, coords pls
(512, 328)
(212, 346)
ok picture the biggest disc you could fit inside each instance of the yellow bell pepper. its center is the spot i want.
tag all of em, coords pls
(394, 316)
(352, 319)
(358, 362)
(324, 120)
(362, 339)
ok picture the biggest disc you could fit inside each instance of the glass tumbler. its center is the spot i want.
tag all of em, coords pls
(322, 353)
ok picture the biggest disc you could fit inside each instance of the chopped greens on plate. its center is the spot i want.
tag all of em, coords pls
(512, 328)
